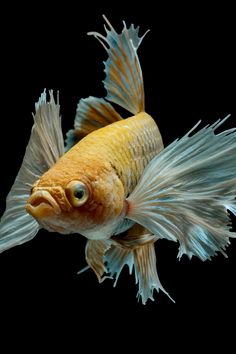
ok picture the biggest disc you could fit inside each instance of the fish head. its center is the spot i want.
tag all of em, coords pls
(85, 199)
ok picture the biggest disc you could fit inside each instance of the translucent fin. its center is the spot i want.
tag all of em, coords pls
(43, 150)
(143, 260)
(94, 252)
(116, 258)
(92, 113)
(83, 270)
(108, 258)
(124, 81)
(136, 236)
(185, 191)
(146, 272)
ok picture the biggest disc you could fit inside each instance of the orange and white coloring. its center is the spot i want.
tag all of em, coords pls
(115, 183)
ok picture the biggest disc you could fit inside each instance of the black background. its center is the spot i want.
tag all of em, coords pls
(187, 61)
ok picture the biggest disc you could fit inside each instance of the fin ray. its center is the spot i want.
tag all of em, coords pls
(110, 257)
(124, 81)
(92, 113)
(146, 272)
(94, 252)
(185, 191)
(43, 150)
(143, 260)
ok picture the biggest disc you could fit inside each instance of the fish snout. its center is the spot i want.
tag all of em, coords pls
(41, 203)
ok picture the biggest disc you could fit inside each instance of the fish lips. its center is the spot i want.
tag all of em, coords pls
(41, 204)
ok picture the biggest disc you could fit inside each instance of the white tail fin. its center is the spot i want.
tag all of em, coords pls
(185, 191)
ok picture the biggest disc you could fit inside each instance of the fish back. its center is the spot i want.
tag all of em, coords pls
(127, 145)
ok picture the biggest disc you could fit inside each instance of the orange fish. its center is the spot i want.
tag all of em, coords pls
(116, 184)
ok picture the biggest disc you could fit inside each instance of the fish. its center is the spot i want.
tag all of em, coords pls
(113, 181)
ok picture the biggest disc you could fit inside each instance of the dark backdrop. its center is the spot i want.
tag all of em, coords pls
(187, 61)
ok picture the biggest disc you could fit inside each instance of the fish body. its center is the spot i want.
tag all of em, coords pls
(116, 184)
(110, 161)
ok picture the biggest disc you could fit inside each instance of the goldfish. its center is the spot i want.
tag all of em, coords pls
(113, 181)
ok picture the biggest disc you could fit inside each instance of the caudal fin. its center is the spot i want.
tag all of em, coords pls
(186, 191)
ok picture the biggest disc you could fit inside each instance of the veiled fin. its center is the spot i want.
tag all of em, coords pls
(43, 150)
(143, 260)
(94, 253)
(124, 84)
(146, 272)
(136, 236)
(140, 258)
(185, 191)
(124, 81)
(92, 113)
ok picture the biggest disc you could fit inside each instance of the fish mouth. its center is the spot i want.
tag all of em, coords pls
(41, 204)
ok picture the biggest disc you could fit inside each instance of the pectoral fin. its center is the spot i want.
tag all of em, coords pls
(43, 150)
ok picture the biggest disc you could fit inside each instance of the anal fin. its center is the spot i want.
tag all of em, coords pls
(110, 256)
(143, 260)
(136, 236)
(94, 252)
(146, 272)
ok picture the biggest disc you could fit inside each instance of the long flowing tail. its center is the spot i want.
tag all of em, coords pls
(186, 190)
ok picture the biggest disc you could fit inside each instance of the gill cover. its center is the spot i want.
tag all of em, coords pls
(44, 148)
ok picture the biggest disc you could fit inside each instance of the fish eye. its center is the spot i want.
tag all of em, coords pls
(77, 192)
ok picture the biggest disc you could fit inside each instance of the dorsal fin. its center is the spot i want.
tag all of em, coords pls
(92, 113)
(124, 80)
